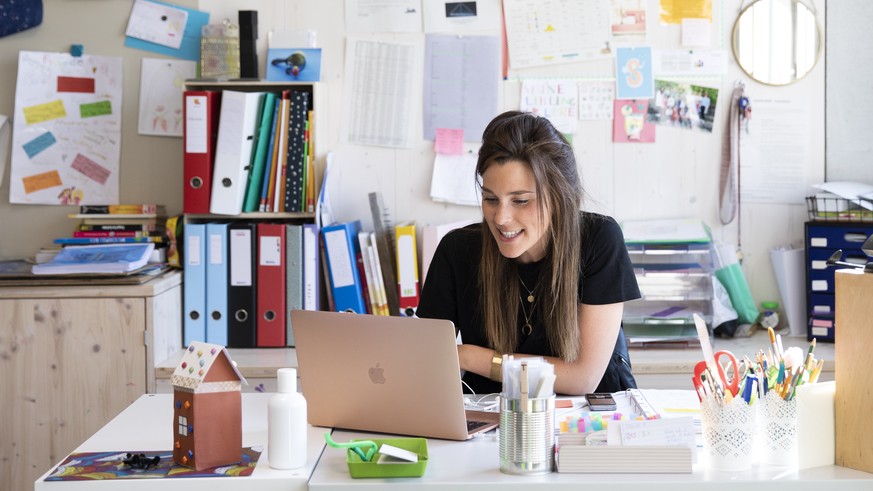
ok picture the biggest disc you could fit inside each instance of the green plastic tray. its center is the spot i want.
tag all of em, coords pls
(360, 469)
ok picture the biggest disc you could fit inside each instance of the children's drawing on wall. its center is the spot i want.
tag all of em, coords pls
(629, 122)
(160, 96)
(633, 73)
(66, 140)
(628, 20)
(682, 105)
(70, 196)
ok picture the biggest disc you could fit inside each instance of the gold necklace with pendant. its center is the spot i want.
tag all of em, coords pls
(530, 294)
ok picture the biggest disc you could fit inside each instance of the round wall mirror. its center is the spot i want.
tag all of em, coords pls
(776, 42)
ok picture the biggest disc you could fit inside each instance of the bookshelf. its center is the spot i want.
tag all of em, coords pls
(255, 364)
(315, 91)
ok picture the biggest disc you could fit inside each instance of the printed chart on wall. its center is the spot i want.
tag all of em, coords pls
(66, 141)
(546, 32)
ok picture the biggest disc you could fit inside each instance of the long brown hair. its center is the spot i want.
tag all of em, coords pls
(530, 139)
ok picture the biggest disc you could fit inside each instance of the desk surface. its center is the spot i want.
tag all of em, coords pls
(474, 465)
(453, 466)
(146, 425)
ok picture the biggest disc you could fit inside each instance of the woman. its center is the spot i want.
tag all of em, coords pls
(537, 277)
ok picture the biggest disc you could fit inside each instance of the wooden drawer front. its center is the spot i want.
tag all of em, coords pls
(70, 365)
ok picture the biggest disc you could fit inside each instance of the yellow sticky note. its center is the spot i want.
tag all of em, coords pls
(45, 112)
(673, 11)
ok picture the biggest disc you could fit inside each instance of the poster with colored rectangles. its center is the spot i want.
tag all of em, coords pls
(66, 139)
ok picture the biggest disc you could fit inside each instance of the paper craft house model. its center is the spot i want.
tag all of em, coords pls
(207, 408)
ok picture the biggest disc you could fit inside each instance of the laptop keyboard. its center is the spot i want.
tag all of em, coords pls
(473, 425)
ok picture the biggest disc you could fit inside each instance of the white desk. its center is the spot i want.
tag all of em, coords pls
(147, 425)
(474, 465)
(453, 466)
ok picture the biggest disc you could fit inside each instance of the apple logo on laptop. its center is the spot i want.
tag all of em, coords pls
(377, 374)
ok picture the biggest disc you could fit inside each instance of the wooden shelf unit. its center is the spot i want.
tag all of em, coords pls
(72, 358)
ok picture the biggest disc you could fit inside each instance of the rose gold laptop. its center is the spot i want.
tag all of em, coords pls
(396, 375)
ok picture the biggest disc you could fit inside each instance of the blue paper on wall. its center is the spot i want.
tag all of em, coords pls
(190, 48)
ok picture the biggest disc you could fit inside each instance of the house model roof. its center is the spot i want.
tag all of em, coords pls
(198, 359)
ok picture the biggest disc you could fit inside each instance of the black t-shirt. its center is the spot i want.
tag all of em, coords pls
(606, 276)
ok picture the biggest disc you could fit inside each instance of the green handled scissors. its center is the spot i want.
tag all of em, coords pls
(354, 446)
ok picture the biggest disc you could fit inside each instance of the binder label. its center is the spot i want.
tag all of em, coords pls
(339, 258)
(406, 275)
(196, 128)
(215, 252)
(240, 266)
(270, 255)
(193, 251)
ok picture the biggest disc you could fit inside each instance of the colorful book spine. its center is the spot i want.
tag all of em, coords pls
(271, 158)
(310, 170)
(105, 240)
(294, 199)
(262, 150)
(144, 209)
(116, 233)
(115, 227)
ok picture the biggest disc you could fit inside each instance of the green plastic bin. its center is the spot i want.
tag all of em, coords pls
(360, 469)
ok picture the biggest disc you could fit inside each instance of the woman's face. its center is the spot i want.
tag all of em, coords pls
(509, 206)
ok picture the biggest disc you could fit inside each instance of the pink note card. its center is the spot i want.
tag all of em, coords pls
(449, 141)
(90, 168)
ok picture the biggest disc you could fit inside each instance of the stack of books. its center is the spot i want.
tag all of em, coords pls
(114, 224)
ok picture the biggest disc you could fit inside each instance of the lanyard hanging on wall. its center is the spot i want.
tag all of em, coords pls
(729, 177)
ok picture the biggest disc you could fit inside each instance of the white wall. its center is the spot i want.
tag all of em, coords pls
(849, 64)
(676, 176)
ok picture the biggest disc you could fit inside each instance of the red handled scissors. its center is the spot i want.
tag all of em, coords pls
(729, 373)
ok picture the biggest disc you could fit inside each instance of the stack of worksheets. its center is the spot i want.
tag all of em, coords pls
(97, 259)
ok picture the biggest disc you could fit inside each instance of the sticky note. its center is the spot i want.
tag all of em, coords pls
(38, 144)
(44, 112)
(84, 85)
(38, 182)
(563, 403)
(449, 141)
(102, 108)
(90, 168)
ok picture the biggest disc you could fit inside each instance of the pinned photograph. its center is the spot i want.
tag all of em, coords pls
(682, 105)
(294, 64)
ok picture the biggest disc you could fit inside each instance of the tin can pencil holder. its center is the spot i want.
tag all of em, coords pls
(777, 424)
(728, 433)
(527, 435)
